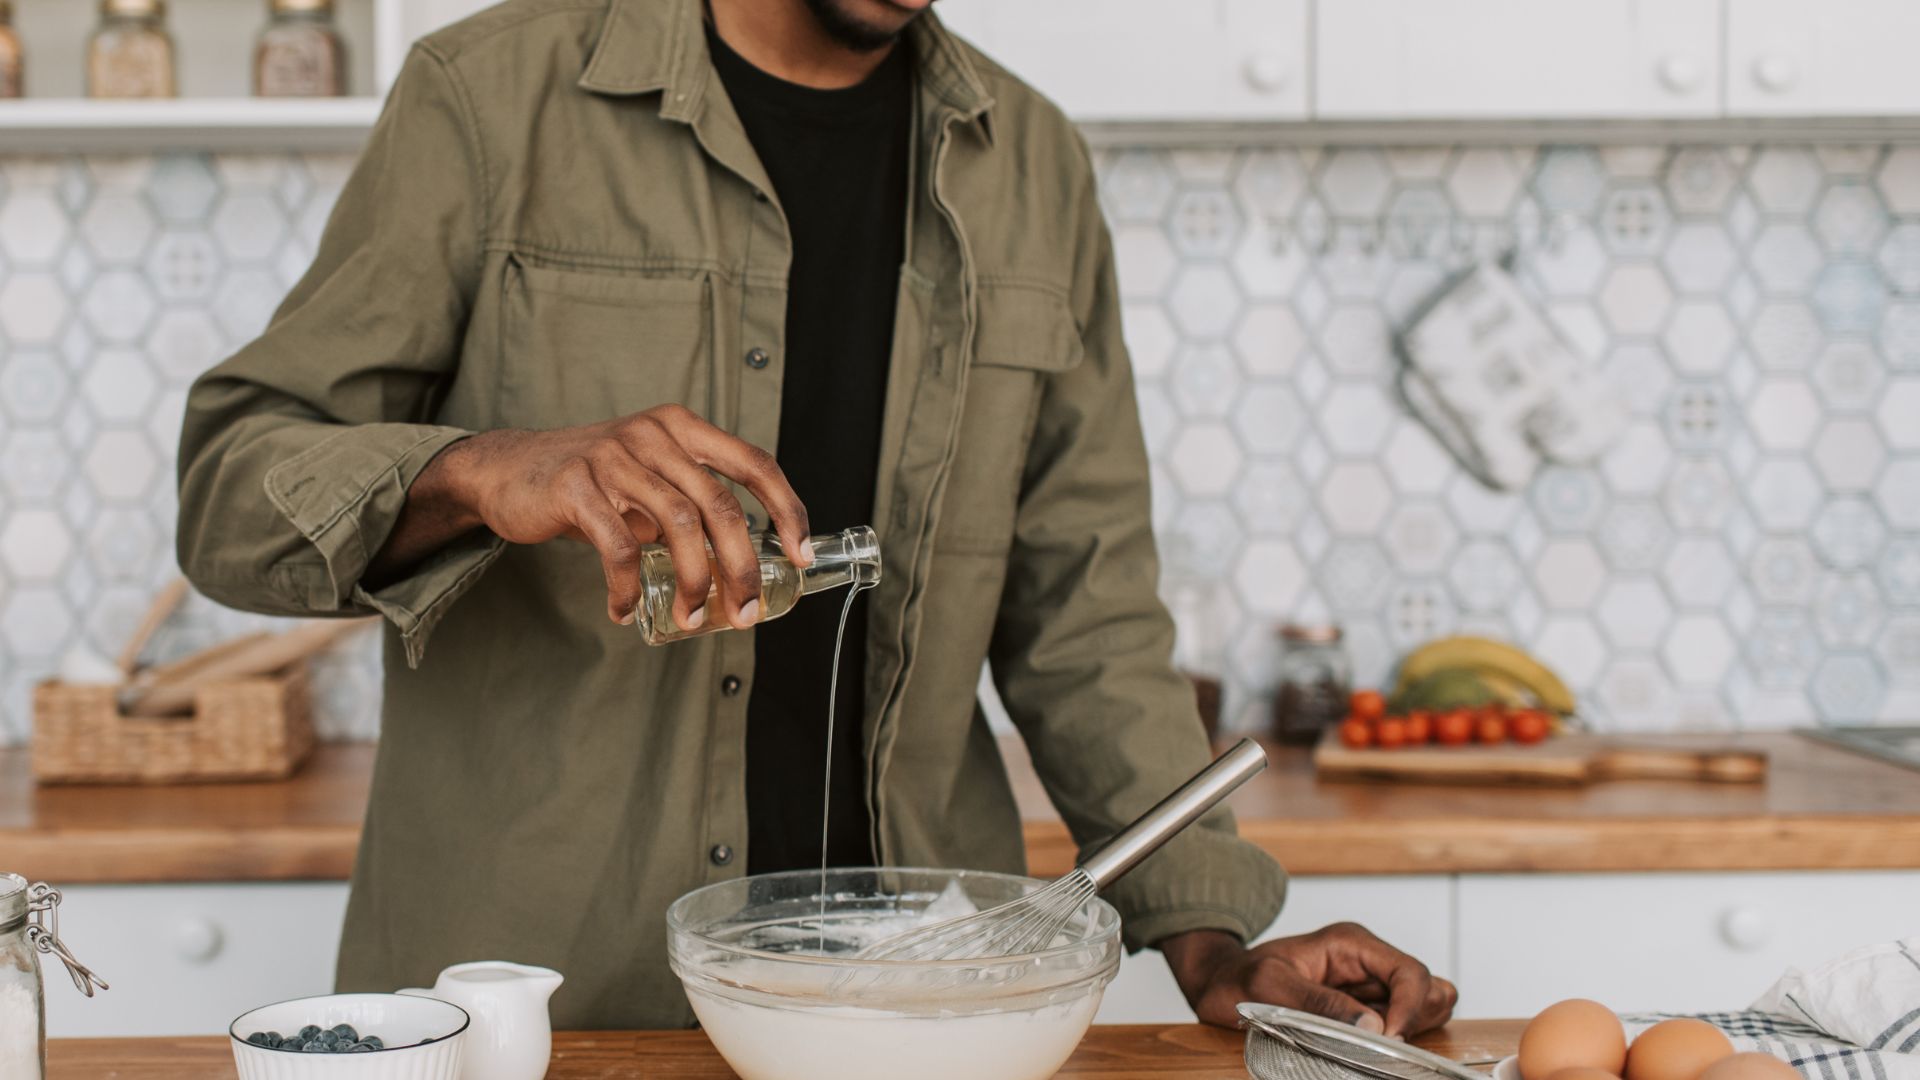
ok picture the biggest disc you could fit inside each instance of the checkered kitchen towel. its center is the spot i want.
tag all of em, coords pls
(1857, 1018)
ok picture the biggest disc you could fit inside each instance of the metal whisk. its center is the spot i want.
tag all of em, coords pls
(1031, 922)
(1283, 1044)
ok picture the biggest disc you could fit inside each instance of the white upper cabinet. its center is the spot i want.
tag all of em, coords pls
(1518, 59)
(1149, 59)
(1830, 57)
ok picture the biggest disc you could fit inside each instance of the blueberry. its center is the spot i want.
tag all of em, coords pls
(258, 1038)
(316, 1047)
(372, 1042)
(307, 1033)
(274, 1038)
(345, 1033)
(359, 1048)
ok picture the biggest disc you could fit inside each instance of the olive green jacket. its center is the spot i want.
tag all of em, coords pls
(559, 219)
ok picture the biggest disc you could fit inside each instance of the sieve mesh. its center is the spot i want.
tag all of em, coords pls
(1283, 1044)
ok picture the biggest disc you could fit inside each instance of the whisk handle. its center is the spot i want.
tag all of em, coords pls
(1175, 812)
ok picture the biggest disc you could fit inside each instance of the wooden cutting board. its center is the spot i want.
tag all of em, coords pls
(1562, 761)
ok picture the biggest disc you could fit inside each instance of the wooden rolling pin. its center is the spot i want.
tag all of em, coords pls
(172, 688)
(1563, 761)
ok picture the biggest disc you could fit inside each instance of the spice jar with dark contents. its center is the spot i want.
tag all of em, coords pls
(1315, 679)
(131, 54)
(12, 58)
(300, 53)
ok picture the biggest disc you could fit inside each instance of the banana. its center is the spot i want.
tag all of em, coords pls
(1508, 665)
(1511, 691)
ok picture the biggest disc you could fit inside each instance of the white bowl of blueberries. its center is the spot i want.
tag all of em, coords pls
(364, 1036)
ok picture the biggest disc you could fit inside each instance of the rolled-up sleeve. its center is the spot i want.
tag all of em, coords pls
(296, 453)
(1082, 650)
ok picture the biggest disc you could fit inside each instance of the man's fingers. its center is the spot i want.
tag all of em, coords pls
(597, 520)
(630, 485)
(726, 528)
(756, 470)
(1278, 984)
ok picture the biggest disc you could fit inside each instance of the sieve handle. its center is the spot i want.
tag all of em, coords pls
(1175, 812)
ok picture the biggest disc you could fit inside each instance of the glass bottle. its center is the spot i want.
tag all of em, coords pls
(29, 926)
(847, 558)
(1315, 680)
(12, 59)
(300, 53)
(131, 54)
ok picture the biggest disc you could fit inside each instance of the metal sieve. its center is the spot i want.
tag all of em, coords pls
(1285, 1044)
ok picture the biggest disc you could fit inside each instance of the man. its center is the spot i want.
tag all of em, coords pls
(600, 258)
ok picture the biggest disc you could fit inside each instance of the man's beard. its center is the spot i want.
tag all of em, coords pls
(850, 30)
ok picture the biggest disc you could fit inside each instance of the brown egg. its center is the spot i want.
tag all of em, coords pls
(1581, 1072)
(1676, 1050)
(1572, 1034)
(1751, 1065)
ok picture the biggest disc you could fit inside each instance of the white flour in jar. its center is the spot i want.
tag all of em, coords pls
(19, 1031)
(849, 1043)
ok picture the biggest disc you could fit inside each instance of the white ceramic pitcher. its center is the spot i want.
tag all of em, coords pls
(511, 1037)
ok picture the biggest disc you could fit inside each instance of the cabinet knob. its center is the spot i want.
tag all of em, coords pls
(1266, 72)
(1680, 74)
(1745, 928)
(1775, 73)
(197, 940)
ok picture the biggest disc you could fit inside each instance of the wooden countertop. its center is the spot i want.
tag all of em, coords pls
(1821, 808)
(1134, 1052)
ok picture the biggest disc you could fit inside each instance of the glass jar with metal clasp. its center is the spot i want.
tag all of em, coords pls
(30, 927)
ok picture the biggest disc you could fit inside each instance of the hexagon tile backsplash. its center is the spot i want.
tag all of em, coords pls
(1747, 553)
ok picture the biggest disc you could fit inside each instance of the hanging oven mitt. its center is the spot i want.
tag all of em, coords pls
(1499, 387)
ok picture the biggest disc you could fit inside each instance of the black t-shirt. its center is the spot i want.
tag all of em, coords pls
(838, 162)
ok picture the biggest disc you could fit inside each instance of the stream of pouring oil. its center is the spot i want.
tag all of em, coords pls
(826, 783)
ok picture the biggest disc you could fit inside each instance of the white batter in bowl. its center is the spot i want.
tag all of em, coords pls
(777, 990)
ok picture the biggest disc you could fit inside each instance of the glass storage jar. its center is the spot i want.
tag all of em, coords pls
(1315, 680)
(131, 54)
(300, 53)
(12, 58)
(30, 926)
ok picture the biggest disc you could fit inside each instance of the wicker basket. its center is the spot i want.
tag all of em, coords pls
(258, 728)
(246, 724)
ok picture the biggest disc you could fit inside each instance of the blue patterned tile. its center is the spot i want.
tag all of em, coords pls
(1355, 576)
(1899, 649)
(1848, 533)
(1698, 417)
(1850, 298)
(1699, 494)
(1569, 179)
(1783, 650)
(1847, 688)
(1850, 220)
(1899, 571)
(1848, 612)
(1204, 223)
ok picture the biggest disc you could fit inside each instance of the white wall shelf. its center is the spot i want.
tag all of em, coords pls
(209, 123)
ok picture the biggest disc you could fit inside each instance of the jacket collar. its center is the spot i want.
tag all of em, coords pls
(660, 45)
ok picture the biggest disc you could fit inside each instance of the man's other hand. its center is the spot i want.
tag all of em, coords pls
(1341, 971)
(645, 478)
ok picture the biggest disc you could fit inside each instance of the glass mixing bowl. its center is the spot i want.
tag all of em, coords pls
(771, 973)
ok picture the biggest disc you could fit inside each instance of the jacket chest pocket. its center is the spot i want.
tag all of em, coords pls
(579, 347)
(1025, 334)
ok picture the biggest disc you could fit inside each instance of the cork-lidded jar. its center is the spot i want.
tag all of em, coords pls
(12, 58)
(131, 54)
(300, 53)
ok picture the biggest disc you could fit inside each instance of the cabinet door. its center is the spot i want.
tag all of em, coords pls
(187, 959)
(1835, 57)
(1391, 59)
(1667, 942)
(1415, 914)
(1149, 59)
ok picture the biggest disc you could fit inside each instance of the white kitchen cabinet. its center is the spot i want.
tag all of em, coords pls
(187, 959)
(1670, 942)
(1400, 59)
(1414, 913)
(1832, 58)
(1149, 59)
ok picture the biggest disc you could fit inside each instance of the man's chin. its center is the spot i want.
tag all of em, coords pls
(866, 25)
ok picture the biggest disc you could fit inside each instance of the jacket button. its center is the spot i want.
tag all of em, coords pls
(730, 685)
(721, 855)
(757, 358)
